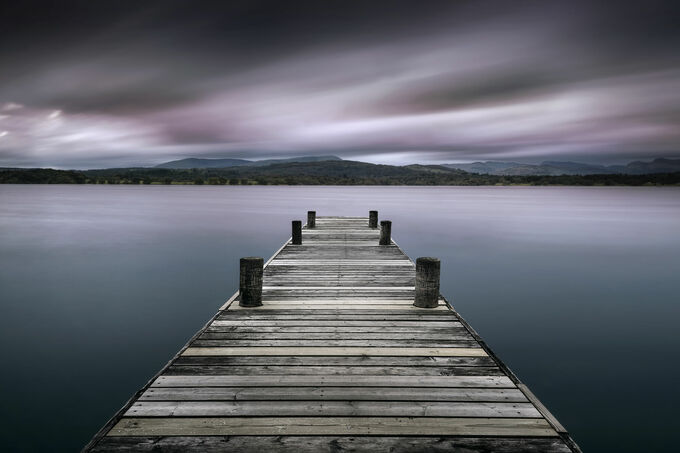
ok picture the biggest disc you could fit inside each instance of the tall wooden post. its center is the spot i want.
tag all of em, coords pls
(385, 232)
(427, 282)
(297, 232)
(250, 281)
(373, 219)
(311, 219)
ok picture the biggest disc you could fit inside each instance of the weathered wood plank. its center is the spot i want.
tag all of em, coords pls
(286, 335)
(349, 299)
(274, 408)
(337, 283)
(327, 343)
(334, 381)
(419, 315)
(348, 360)
(281, 426)
(364, 330)
(187, 370)
(331, 351)
(330, 323)
(381, 289)
(338, 262)
(331, 444)
(336, 304)
(332, 394)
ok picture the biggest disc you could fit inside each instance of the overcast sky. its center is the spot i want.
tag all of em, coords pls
(115, 83)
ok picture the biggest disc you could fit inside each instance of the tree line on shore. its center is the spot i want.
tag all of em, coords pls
(319, 173)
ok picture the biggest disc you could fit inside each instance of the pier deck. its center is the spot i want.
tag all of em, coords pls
(337, 359)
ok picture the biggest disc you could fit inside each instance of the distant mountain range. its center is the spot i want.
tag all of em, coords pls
(546, 168)
(226, 163)
(555, 168)
(345, 172)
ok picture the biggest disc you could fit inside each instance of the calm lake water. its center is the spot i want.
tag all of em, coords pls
(576, 289)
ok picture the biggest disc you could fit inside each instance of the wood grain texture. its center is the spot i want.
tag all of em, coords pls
(189, 370)
(332, 394)
(311, 343)
(277, 408)
(329, 426)
(334, 381)
(365, 360)
(334, 351)
(331, 444)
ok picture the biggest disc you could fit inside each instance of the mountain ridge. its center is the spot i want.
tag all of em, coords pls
(340, 172)
(557, 168)
(193, 162)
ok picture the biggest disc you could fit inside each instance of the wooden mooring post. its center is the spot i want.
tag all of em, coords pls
(250, 281)
(325, 347)
(297, 232)
(427, 282)
(373, 219)
(385, 232)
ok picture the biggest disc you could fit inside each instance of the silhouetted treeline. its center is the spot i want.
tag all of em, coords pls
(319, 173)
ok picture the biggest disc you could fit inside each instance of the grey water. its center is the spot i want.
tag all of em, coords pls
(576, 289)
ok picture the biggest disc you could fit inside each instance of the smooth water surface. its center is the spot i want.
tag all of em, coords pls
(576, 289)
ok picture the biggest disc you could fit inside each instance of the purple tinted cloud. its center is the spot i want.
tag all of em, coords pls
(477, 82)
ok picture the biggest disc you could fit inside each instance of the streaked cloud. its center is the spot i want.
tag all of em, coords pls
(445, 82)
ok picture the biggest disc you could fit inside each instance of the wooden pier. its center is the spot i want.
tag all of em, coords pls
(335, 359)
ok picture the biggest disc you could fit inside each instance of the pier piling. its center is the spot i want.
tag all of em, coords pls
(385, 232)
(311, 219)
(250, 281)
(297, 232)
(427, 282)
(373, 219)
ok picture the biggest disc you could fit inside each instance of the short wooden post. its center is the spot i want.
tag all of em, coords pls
(427, 282)
(385, 232)
(311, 219)
(250, 281)
(373, 219)
(297, 232)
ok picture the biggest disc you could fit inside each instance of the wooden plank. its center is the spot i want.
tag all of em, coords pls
(285, 335)
(207, 370)
(274, 408)
(304, 343)
(337, 293)
(332, 394)
(328, 426)
(338, 262)
(333, 351)
(333, 381)
(382, 289)
(331, 323)
(346, 284)
(406, 303)
(406, 311)
(331, 444)
(419, 315)
(454, 329)
(366, 361)
(335, 304)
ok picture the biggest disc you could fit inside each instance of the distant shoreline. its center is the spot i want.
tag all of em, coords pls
(305, 174)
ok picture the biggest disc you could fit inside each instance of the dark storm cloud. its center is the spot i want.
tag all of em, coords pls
(121, 83)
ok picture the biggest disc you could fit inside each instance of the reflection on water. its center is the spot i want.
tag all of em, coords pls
(576, 289)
